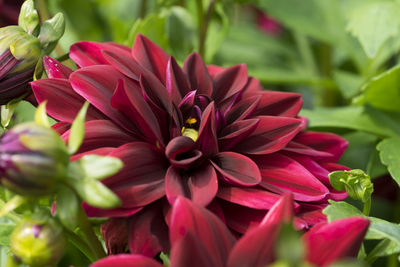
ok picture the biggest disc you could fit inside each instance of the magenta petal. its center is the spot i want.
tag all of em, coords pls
(248, 197)
(337, 240)
(141, 180)
(113, 213)
(189, 251)
(148, 232)
(243, 109)
(126, 260)
(176, 83)
(59, 93)
(237, 168)
(282, 174)
(326, 142)
(271, 135)
(282, 211)
(91, 53)
(151, 56)
(55, 69)
(274, 103)
(97, 84)
(102, 133)
(229, 82)
(211, 233)
(124, 63)
(115, 234)
(236, 132)
(181, 152)
(207, 140)
(199, 78)
(200, 185)
(61, 127)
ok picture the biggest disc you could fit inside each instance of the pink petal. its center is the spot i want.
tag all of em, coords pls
(199, 78)
(211, 233)
(141, 180)
(150, 56)
(148, 232)
(326, 142)
(282, 211)
(55, 69)
(282, 174)
(237, 168)
(200, 185)
(271, 135)
(229, 82)
(63, 103)
(91, 53)
(126, 260)
(97, 84)
(335, 241)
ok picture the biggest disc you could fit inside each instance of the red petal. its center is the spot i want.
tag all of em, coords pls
(91, 53)
(150, 56)
(243, 109)
(55, 69)
(282, 174)
(113, 213)
(335, 241)
(236, 132)
(177, 84)
(271, 135)
(124, 63)
(207, 140)
(148, 232)
(97, 84)
(211, 233)
(126, 260)
(199, 78)
(115, 234)
(237, 168)
(229, 82)
(200, 186)
(275, 103)
(63, 103)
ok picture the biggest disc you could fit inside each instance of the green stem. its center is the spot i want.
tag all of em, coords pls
(90, 236)
(203, 22)
(10, 214)
(367, 207)
(44, 13)
(80, 244)
(304, 47)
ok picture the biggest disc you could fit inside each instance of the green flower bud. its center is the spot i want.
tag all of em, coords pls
(32, 159)
(28, 17)
(38, 241)
(356, 183)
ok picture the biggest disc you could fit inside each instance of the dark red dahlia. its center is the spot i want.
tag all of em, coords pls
(207, 133)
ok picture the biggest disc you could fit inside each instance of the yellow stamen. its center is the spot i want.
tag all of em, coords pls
(191, 133)
(191, 121)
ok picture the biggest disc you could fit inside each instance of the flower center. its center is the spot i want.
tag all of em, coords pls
(189, 129)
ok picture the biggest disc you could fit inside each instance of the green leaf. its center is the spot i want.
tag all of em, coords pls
(383, 91)
(5, 231)
(340, 210)
(390, 156)
(348, 83)
(385, 248)
(52, 29)
(99, 167)
(96, 194)
(28, 17)
(180, 30)
(7, 111)
(290, 246)
(373, 24)
(363, 118)
(41, 116)
(67, 208)
(77, 130)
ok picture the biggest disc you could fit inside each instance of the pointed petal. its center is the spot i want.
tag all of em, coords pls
(334, 241)
(148, 233)
(115, 234)
(200, 186)
(326, 142)
(248, 197)
(126, 260)
(207, 140)
(237, 169)
(282, 174)
(63, 103)
(176, 83)
(102, 133)
(229, 82)
(97, 85)
(199, 78)
(55, 69)
(282, 211)
(236, 132)
(141, 180)
(91, 53)
(150, 56)
(243, 109)
(271, 135)
(275, 103)
(211, 233)
(124, 63)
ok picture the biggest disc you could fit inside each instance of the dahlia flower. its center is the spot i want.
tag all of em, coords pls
(207, 133)
(199, 238)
